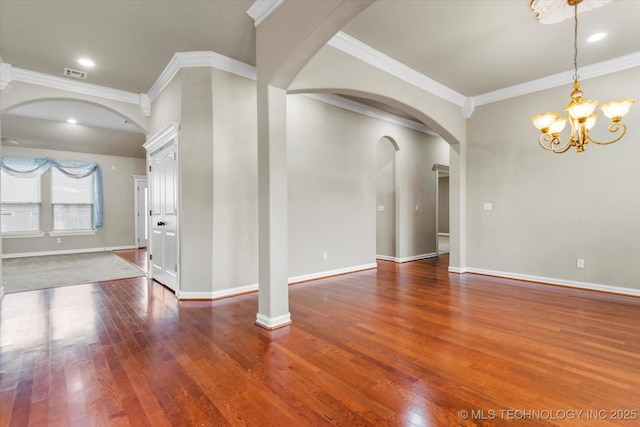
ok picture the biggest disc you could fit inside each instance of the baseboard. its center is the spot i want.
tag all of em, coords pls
(225, 293)
(458, 270)
(67, 251)
(407, 259)
(557, 282)
(231, 292)
(323, 274)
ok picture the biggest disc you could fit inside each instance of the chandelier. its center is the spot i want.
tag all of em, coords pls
(580, 112)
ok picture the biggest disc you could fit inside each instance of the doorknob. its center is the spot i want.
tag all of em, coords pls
(161, 223)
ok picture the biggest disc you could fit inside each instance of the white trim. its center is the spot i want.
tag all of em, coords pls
(457, 270)
(273, 322)
(161, 138)
(59, 233)
(199, 59)
(261, 9)
(41, 79)
(23, 235)
(561, 79)
(323, 274)
(366, 53)
(213, 295)
(66, 251)
(560, 282)
(407, 259)
(443, 234)
(357, 107)
(6, 75)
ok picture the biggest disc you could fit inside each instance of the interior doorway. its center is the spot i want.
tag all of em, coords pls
(387, 199)
(442, 208)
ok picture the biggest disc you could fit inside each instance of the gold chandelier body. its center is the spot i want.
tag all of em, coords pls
(579, 114)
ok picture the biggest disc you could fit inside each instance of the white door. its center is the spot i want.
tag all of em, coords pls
(142, 210)
(163, 222)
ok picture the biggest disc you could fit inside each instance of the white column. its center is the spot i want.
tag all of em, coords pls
(273, 293)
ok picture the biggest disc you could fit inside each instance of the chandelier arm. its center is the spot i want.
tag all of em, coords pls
(553, 140)
(613, 128)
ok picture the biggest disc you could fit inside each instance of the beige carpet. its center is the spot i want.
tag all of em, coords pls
(41, 272)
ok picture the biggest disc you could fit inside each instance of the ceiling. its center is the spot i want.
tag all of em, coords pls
(470, 46)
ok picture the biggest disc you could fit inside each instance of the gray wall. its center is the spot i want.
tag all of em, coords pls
(385, 198)
(332, 186)
(443, 204)
(332, 181)
(119, 224)
(550, 209)
(235, 182)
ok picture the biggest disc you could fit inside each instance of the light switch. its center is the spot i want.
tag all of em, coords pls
(380, 208)
(488, 207)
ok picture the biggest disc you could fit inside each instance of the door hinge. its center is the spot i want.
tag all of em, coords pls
(149, 168)
(150, 214)
(150, 257)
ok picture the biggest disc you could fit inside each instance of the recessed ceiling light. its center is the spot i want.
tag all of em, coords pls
(86, 62)
(596, 37)
(72, 121)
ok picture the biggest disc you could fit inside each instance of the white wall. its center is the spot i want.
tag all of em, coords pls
(119, 224)
(550, 209)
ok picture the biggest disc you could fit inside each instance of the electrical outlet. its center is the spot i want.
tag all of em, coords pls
(324, 256)
(580, 263)
(488, 206)
(58, 240)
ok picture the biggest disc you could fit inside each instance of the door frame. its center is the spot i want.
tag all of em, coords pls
(137, 180)
(167, 136)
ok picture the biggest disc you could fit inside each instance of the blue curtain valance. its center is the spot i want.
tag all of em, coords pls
(29, 167)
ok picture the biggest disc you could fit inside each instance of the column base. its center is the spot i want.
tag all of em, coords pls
(271, 323)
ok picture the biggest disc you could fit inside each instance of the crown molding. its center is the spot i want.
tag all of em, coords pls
(366, 53)
(261, 9)
(54, 82)
(199, 59)
(561, 79)
(369, 111)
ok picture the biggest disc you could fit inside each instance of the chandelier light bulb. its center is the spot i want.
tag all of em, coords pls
(616, 110)
(558, 126)
(544, 121)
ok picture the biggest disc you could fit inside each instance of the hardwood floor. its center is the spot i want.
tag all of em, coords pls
(406, 345)
(137, 257)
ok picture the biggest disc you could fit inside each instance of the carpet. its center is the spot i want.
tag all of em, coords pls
(51, 271)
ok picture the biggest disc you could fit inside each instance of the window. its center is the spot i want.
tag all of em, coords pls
(20, 210)
(72, 201)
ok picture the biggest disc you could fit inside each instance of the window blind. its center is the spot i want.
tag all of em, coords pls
(20, 198)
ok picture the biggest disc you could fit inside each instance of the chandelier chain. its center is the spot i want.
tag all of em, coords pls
(576, 77)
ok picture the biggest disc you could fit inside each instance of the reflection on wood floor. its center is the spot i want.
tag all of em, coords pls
(407, 344)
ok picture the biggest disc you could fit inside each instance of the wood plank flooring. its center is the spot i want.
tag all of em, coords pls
(403, 345)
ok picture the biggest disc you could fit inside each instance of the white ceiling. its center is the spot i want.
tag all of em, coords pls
(470, 46)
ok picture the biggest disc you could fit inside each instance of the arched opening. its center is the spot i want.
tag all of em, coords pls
(73, 125)
(387, 198)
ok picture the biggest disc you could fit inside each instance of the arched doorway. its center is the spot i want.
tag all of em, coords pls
(387, 199)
